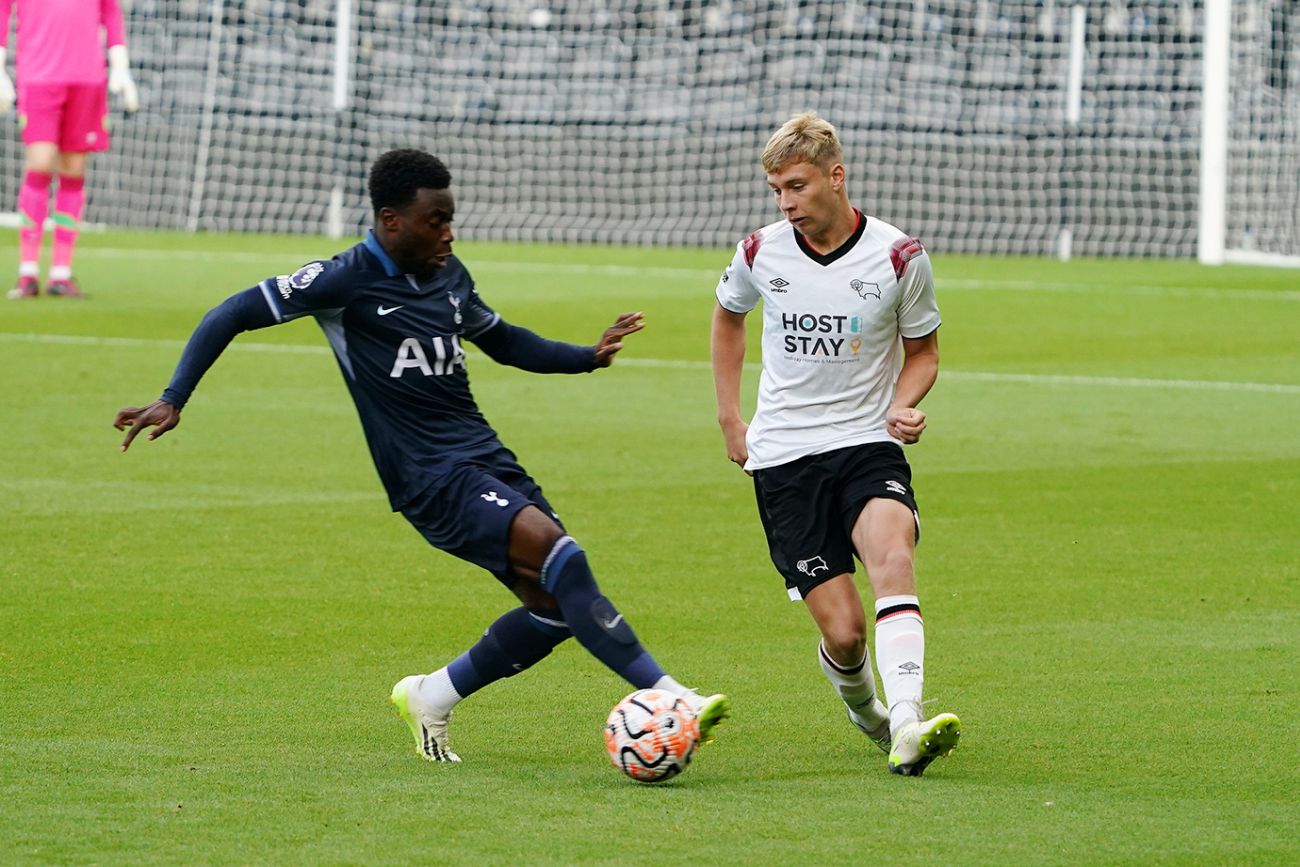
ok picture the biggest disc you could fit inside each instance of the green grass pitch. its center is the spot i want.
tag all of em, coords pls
(197, 638)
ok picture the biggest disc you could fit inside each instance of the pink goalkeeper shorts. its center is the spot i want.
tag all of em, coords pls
(72, 116)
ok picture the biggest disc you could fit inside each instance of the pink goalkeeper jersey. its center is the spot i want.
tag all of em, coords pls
(58, 40)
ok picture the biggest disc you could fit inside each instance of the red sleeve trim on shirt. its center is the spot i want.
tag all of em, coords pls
(750, 246)
(902, 251)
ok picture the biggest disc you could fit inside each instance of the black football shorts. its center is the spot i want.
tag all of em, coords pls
(809, 506)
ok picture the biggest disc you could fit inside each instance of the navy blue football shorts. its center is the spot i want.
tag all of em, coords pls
(468, 512)
(809, 506)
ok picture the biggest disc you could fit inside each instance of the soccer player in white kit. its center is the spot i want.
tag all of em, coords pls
(850, 347)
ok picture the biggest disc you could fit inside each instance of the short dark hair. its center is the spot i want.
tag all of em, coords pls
(397, 175)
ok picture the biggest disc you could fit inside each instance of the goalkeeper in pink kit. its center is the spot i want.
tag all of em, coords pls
(62, 107)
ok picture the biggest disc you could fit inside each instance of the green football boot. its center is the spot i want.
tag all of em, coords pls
(710, 711)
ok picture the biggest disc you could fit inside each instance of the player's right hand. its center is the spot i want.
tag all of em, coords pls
(7, 95)
(160, 415)
(734, 436)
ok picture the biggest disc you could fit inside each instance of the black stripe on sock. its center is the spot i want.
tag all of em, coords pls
(835, 665)
(894, 609)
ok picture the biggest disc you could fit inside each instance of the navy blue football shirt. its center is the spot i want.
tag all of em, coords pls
(398, 342)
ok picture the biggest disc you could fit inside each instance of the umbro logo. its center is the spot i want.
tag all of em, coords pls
(909, 667)
(810, 566)
(491, 497)
(779, 282)
(384, 311)
(896, 487)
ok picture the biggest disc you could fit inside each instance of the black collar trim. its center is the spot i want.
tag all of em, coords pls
(840, 251)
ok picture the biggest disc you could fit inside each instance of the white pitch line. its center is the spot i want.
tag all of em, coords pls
(1038, 378)
(1122, 381)
(687, 364)
(288, 258)
(157, 343)
(1198, 292)
(283, 260)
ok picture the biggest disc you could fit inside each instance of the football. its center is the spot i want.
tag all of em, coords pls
(651, 735)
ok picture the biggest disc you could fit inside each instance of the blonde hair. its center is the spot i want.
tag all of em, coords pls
(804, 138)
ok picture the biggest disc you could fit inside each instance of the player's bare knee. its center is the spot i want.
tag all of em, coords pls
(42, 158)
(528, 590)
(532, 536)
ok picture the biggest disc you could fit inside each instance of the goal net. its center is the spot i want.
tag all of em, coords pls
(965, 122)
(1262, 210)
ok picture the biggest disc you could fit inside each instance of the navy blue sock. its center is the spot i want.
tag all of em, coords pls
(593, 619)
(516, 640)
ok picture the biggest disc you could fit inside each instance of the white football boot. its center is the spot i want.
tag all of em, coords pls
(429, 729)
(918, 743)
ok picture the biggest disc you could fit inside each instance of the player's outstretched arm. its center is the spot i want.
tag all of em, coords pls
(612, 340)
(518, 347)
(242, 312)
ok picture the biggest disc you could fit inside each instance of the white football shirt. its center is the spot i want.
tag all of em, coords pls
(832, 333)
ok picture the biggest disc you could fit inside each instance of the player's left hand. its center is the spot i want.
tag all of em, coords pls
(121, 84)
(612, 340)
(905, 423)
(7, 94)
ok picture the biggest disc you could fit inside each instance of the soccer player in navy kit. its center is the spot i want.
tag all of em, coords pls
(395, 309)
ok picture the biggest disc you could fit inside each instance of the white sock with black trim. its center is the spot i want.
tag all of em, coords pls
(856, 685)
(900, 655)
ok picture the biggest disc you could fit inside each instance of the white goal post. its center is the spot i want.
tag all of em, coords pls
(1139, 128)
(1250, 137)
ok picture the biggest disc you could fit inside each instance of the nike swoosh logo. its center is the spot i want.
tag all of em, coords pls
(384, 311)
(610, 624)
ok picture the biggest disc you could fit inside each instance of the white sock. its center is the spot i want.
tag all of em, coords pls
(667, 684)
(856, 685)
(29, 269)
(60, 272)
(900, 654)
(436, 691)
